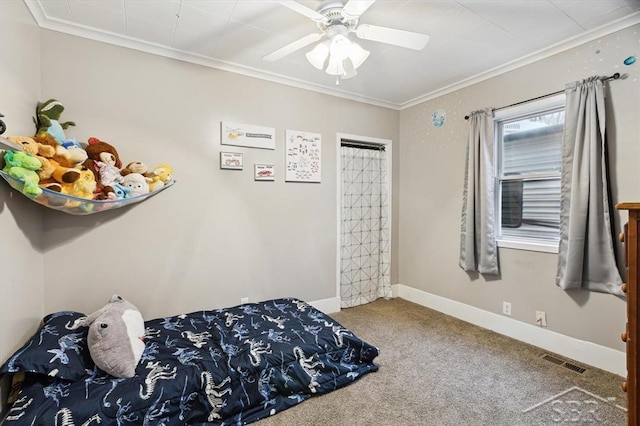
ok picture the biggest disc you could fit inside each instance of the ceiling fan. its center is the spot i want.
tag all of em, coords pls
(338, 55)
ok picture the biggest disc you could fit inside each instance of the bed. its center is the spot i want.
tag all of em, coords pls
(220, 367)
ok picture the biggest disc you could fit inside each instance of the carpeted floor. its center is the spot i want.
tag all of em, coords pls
(438, 370)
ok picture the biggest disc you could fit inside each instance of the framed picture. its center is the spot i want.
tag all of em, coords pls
(265, 172)
(247, 135)
(231, 160)
(302, 156)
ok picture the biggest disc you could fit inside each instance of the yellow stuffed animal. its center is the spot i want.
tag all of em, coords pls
(84, 187)
(159, 177)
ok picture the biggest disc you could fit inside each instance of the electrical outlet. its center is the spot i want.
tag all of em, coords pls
(244, 300)
(541, 318)
(506, 308)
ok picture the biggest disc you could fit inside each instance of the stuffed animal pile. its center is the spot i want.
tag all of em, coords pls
(91, 171)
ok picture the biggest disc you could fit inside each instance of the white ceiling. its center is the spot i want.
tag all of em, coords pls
(470, 39)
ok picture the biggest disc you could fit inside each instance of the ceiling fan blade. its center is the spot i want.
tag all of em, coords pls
(400, 38)
(292, 47)
(302, 9)
(355, 8)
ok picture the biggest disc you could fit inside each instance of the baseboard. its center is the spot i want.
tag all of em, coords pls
(328, 306)
(582, 351)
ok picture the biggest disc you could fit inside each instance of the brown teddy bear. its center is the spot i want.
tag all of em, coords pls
(135, 167)
(103, 160)
(66, 157)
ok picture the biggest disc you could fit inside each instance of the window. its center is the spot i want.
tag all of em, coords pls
(529, 163)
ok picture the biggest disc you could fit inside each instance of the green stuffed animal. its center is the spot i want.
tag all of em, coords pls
(22, 166)
(47, 120)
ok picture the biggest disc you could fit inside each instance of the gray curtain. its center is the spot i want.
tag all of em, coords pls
(586, 257)
(478, 251)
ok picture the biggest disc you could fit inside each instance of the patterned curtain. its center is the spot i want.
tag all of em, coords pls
(364, 227)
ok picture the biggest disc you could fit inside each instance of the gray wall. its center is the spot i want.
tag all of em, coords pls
(217, 235)
(432, 173)
(21, 256)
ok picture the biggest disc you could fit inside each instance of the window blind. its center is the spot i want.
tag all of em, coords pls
(530, 202)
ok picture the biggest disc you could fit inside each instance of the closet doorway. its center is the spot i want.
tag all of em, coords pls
(364, 218)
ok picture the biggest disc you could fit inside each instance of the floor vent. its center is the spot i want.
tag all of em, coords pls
(559, 361)
(574, 367)
(552, 359)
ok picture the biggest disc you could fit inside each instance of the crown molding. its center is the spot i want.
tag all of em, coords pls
(602, 31)
(123, 41)
(66, 27)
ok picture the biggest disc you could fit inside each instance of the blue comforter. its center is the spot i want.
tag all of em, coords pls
(219, 367)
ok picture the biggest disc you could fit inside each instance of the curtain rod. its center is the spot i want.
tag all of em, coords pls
(362, 145)
(613, 77)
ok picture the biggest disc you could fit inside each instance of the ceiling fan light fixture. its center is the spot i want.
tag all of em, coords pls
(335, 66)
(318, 55)
(349, 69)
(338, 55)
(345, 56)
(340, 47)
(358, 55)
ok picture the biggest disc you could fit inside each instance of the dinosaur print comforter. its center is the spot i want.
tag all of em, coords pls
(219, 367)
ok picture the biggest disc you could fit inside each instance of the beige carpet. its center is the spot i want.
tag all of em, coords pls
(437, 370)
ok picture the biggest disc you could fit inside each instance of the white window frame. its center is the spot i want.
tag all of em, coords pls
(509, 113)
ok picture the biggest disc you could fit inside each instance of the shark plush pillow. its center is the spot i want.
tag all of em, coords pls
(116, 337)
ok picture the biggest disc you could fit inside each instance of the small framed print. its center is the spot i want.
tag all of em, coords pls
(247, 135)
(231, 160)
(265, 172)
